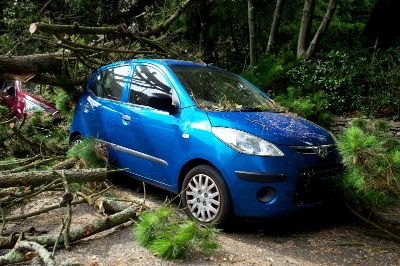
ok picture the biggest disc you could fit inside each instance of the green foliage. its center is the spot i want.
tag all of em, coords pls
(4, 110)
(168, 235)
(372, 176)
(313, 107)
(90, 151)
(270, 70)
(63, 102)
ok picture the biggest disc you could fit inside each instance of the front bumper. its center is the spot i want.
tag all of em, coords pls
(299, 180)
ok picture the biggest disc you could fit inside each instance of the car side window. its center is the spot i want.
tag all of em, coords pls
(110, 83)
(113, 82)
(147, 82)
(96, 86)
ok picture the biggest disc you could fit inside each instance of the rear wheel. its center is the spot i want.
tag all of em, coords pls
(205, 196)
(77, 139)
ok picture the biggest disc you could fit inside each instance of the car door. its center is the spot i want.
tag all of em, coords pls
(101, 103)
(147, 140)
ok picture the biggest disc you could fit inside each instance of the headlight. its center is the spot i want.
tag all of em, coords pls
(246, 143)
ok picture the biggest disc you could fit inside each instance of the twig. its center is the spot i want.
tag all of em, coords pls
(8, 121)
(144, 193)
(34, 164)
(58, 238)
(22, 122)
(24, 197)
(38, 212)
(21, 161)
(393, 235)
(44, 7)
(68, 197)
(3, 217)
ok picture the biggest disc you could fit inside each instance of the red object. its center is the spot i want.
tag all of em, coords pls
(20, 102)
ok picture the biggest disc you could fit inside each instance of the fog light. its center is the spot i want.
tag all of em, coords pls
(266, 194)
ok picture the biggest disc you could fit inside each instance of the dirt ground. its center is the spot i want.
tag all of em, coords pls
(328, 236)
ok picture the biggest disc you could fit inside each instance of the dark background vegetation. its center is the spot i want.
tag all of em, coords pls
(355, 68)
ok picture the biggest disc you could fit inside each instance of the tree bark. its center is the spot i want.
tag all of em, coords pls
(33, 178)
(321, 29)
(305, 27)
(72, 29)
(94, 227)
(28, 66)
(252, 33)
(39, 249)
(275, 26)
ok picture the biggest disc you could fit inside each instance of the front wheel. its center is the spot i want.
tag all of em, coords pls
(205, 196)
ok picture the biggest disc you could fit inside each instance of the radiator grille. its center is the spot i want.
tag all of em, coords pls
(317, 183)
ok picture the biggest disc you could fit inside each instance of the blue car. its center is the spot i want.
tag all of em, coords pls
(208, 134)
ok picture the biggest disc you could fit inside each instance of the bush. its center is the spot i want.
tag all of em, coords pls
(169, 236)
(372, 175)
(269, 74)
(313, 107)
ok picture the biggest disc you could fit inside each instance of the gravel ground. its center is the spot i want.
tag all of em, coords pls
(320, 237)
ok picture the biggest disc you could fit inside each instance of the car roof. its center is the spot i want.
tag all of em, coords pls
(165, 62)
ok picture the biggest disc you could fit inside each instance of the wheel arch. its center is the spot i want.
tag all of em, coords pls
(193, 163)
(73, 135)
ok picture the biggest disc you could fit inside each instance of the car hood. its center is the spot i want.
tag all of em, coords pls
(278, 128)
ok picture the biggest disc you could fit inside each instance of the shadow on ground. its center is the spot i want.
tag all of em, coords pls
(315, 219)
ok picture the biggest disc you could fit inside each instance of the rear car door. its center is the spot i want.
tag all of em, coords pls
(101, 104)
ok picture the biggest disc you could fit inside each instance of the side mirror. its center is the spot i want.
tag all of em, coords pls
(161, 101)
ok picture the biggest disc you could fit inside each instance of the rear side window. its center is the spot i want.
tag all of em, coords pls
(111, 82)
(147, 82)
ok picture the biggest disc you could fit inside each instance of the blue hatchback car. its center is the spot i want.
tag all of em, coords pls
(208, 134)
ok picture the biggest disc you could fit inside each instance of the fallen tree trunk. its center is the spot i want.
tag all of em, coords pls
(17, 254)
(33, 178)
(29, 65)
(96, 226)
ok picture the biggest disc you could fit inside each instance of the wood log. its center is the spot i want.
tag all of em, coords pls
(33, 164)
(13, 256)
(17, 254)
(39, 249)
(66, 164)
(97, 225)
(34, 178)
(29, 65)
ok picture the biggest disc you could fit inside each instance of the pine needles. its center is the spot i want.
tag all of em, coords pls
(90, 152)
(372, 160)
(170, 236)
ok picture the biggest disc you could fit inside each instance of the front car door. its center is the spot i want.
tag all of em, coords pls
(147, 141)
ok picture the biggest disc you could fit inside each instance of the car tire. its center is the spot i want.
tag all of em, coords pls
(76, 140)
(205, 196)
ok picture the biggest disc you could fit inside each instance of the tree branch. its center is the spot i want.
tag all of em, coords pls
(321, 29)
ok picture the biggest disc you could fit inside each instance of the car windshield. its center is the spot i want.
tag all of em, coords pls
(218, 90)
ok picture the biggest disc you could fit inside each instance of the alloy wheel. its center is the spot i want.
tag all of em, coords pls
(203, 198)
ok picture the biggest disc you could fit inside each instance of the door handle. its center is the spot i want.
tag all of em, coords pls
(126, 118)
(87, 106)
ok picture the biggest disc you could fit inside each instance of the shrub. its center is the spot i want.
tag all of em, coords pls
(4, 111)
(372, 175)
(313, 107)
(168, 235)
